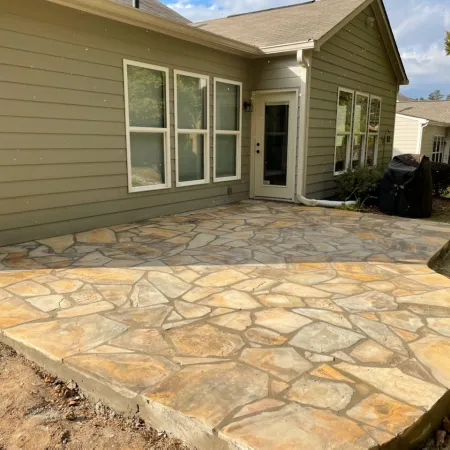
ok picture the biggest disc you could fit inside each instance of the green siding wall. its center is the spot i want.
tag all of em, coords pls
(354, 58)
(62, 121)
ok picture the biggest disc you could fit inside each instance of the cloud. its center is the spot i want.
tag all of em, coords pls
(198, 11)
(419, 27)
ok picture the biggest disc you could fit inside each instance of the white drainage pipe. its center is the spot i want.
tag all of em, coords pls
(323, 203)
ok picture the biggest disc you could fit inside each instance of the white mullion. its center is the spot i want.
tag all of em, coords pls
(192, 131)
(148, 130)
(228, 132)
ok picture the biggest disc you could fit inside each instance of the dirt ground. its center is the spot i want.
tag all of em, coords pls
(38, 411)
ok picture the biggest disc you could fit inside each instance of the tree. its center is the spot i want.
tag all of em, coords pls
(436, 95)
(448, 97)
(447, 43)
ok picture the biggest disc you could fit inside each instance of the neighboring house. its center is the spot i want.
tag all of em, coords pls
(112, 113)
(423, 128)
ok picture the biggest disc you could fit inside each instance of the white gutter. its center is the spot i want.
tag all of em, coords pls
(304, 59)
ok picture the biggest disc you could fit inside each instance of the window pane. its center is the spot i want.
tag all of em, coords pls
(228, 108)
(146, 97)
(360, 119)
(276, 144)
(375, 110)
(147, 159)
(359, 142)
(341, 152)
(344, 116)
(191, 102)
(226, 151)
(372, 144)
(191, 161)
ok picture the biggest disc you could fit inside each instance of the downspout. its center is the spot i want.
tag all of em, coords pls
(304, 58)
(423, 125)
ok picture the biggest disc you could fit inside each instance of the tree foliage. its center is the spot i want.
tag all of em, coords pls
(436, 95)
(359, 184)
(447, 43)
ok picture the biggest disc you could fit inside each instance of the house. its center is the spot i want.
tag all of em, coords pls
(423, 128)
(118, 111)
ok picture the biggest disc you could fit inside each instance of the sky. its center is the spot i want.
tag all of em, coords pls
(419, 27)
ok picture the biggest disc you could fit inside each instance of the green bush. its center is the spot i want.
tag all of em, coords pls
(441, 178)
(361, 184)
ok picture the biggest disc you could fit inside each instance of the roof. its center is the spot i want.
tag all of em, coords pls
(403, 98)
(157, 9)
(290, 24)
(437, 112)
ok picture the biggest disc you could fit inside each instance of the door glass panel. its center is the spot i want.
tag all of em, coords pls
(276, 144)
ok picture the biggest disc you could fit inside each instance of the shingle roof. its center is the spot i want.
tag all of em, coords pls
(157, 9)
(290, 24)
(403, 98)
(437, 112)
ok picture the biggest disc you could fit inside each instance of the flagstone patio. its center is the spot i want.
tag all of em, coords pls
(253, 325)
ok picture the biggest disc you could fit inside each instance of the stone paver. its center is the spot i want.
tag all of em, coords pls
(265, 325)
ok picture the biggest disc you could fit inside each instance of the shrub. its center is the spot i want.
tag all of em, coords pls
(441, 178)
(361, 184)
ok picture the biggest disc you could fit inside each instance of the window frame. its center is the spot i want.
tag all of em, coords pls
(349, 148)
(238, 133)
(438, 138)
(362, 157)
(148, 130)
(373, 133)
(206, 132)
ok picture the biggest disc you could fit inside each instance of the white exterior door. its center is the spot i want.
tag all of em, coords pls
(274, 144)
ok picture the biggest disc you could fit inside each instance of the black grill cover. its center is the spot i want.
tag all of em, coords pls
(407, 187)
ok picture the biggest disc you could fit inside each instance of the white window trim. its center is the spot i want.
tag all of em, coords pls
(362, 156)
(207, 162)
(441, 139)
(374, 133)
(347, 133)
(129, 129)
(238, 133)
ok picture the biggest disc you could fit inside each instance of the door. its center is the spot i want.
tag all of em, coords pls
(275, 145)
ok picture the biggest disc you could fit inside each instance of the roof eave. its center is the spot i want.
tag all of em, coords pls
(287, 49)
(404, 81)
(424, 120)
(397, 62)
(186, 32)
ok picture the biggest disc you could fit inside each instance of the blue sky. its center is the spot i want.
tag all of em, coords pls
(419, 27)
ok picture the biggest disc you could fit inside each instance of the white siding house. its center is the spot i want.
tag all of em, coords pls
(423, 128)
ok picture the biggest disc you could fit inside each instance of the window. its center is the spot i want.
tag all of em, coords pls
(373, 131)
(438, 149)
(147, 126)
(343, 130)
(359, 129)
(227, 130)
(191, 128)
